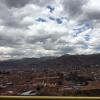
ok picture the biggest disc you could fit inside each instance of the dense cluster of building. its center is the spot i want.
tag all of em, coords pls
(50, 83)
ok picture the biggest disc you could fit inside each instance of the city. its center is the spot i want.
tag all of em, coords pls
(50, 48)
(50, 83)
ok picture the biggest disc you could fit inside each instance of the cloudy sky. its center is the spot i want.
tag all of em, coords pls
(35, 28)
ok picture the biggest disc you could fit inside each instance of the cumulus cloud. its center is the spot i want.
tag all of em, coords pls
(35, 28)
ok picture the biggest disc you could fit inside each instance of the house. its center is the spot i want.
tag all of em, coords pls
(2, 86)
(46, 81)
(29, 93)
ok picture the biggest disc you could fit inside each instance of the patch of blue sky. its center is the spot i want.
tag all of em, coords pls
(97, 48)
(41, 19)
(85, 46)
(59, 20)
(88, 24)
(52, 18)
(87, 37)
(82, 27)
(51, 8)
(77, 31)
(65, 18)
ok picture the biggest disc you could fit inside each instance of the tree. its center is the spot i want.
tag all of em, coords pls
(60, 75)
(38, 89)
(60, 82)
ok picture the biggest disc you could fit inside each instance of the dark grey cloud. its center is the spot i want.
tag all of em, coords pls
(10, 41)
(16, 53)
(21, 3)
(42, 2)
(82, 10)
(13, 22)
(47, 41)
(43, 38)
(66, 49)
(74, 7)
(92, 15)
(7, 18)
(34, 39)
(10, 20)
(16, 3)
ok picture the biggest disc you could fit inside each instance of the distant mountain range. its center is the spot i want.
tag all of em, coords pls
(62, 62)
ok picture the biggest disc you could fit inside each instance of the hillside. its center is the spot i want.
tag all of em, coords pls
(65, 61)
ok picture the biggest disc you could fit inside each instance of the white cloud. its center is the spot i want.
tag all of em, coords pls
(22, 36)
